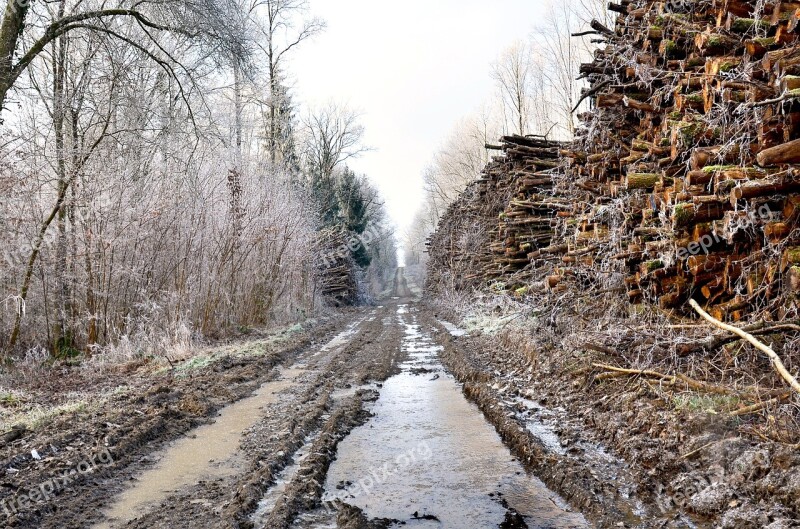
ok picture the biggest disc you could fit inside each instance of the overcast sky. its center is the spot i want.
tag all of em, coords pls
(414, 69)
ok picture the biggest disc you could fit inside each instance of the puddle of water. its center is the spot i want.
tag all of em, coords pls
(453, 329)
(540, 421)
(207, 453)
(537, 422)
(428, 451)
(546, 436)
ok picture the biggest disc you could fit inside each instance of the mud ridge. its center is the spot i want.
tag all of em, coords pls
(262, 474)
(308, 411)
(130, 427)
(305, 491)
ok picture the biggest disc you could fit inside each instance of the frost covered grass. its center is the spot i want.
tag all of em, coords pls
(35, 410)
(488, 323)
(488, 313)
(204, 357)
(18, 408)
(584, 331)
(11, 399)
(179, 342)
(713, 404)
(181, 350)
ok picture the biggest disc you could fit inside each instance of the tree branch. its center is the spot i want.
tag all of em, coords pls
(776, 360)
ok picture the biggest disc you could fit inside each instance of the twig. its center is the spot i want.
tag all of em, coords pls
(776, 360)
(673, 380)
(600, 348)
(709, 445)
(590, 93)
(754, 408)
(783, 97)
(714, 341)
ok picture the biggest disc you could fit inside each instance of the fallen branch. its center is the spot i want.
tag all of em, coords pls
(754, 408)
(715, 341)
(776, 360)
(669, 379)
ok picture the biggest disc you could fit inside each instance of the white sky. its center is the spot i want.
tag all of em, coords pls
(413, 69)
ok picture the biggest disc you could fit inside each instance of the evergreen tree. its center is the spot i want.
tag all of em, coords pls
(281, 137)
(354, 209)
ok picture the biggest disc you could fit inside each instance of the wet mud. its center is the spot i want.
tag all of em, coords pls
(386, 418)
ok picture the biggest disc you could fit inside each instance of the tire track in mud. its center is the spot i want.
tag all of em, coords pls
(283, 460)
(318, 405)
(429, 458)
(153, 411)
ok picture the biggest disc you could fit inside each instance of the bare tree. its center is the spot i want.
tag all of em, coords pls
(558, 56)
(537, 93)
(513, 73)
(282, 29)
(333, 135)
(460, 160)
(117, 229)
(588, 10)
(27, 29)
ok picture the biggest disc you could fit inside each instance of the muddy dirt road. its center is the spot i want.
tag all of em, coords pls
(364, 428)
(367, 427)
(401, 289)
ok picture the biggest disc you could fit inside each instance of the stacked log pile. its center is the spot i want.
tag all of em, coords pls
(693, 139)
(485, 237)
(685, 175)
(528, 221)
(336, 267)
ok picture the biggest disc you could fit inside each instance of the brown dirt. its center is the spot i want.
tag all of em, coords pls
(155, 409)
(151, 409)
(615, 452)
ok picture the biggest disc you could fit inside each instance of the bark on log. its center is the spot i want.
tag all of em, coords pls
(782, 154)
